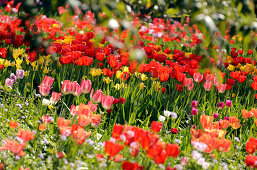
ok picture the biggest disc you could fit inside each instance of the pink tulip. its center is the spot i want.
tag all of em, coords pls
(97, 96)
(66, 87)
(107, 102)
(198, 77)
(73, 110)
(9, 82)
(93, 107)
(207, 86)
(55, 97)
(215, 80)
(209, 78)
(76, 90)
(191, 87)
(188, 82)
(45, 86)
(85, 86)
(221, 88)
(194, 104)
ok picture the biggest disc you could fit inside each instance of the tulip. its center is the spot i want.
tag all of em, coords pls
(194, 104)
(198, 77)
(207, 86)
(221, 88)
(76, 90)
(20, 74)
(188, 82)
(97, 96)
(55, 97)
(66, 87)
(9, 82)
(215, 115)
(85, 86)
(13, 77)
(122, 100)
(45, 86)
(167, 113)
(162, 118)
(221, 105)
(93, 107)
(228, 103)
(107, 102)
(194, 111)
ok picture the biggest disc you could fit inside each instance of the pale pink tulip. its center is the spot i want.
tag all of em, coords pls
(45, 86)
(188, 82)
(66, 87)
(55, 97)
(93, 107)
(76, 90)
(97, 96)
(85, 86)
(207, 86)
(221, 88)
(198, 77)
(107, 102)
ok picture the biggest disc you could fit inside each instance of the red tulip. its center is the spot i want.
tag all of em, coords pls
(112, 149)
(254, 85)
(156, 126)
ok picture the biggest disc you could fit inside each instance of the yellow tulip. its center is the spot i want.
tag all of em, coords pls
(125, 69)
(143, 77)
(7, 63)
(117, 87)
(118, 74)
(231, 67)
(107, 80)
(98, 72)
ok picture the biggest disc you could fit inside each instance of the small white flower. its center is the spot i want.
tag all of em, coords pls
(201, 161)
(205, 165)
(162, 118)
(113, 24)
(112, 140)
(179, 167)
(167, 113)
(46, 102)
(199, 146)
(174, 115)
(237, 139)
(196, 155)
(177, 141)
(123, 137)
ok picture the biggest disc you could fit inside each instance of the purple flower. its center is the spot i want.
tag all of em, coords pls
(215, 115)
(194, 111)
(20, 74)
(9, 82)
(228, 103)
(13, 77)
(221, 105)
(194, 104)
